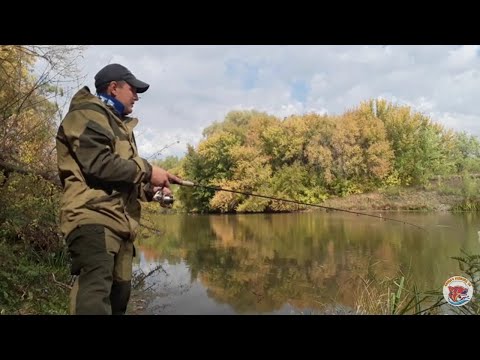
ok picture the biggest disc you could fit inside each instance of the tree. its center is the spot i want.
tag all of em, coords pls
(33, 83)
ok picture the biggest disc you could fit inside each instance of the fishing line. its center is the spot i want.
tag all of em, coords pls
(217, 188)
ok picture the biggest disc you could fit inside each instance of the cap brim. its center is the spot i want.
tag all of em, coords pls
(139, 85)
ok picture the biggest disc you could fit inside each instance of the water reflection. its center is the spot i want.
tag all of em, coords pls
(291, 263)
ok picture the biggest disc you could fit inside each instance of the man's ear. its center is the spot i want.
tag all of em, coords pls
(112, 88)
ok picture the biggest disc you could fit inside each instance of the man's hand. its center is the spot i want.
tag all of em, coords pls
(162, 178)
(174, 179)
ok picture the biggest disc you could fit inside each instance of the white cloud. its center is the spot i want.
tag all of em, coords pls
(192, 86)
(463, 56)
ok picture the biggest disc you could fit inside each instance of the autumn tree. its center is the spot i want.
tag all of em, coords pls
(34, 83)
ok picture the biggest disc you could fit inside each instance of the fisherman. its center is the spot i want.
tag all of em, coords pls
(104, 179)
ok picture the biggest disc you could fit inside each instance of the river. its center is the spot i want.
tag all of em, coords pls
(300, 263)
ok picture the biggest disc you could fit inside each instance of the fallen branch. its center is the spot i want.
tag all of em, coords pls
(10, 168)
(141, 278)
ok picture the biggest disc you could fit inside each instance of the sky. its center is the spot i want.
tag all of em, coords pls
(193, 86)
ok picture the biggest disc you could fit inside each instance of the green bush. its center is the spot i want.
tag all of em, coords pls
(29, 212)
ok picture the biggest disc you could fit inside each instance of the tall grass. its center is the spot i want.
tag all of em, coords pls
(392, 297)
(469, 264)
(470, 189)
(400, 296)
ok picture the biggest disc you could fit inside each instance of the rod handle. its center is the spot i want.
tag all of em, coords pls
(187, 183)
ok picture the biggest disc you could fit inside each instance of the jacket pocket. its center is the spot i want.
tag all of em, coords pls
(111, 206)
(114, 200)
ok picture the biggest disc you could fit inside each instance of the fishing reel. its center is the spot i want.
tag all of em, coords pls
(165, 201)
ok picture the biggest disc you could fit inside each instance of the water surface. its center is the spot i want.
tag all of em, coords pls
(306, 263)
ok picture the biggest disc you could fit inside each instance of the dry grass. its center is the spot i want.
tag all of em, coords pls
(391, 297)
(372, 298)
(394, 296)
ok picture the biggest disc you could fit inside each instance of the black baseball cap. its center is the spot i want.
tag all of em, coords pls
(117, 72)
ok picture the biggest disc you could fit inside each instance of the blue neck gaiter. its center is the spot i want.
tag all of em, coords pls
(110, 100)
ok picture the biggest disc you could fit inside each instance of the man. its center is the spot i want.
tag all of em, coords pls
(103, 180)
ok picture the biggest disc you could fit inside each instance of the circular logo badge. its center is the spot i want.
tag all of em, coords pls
(458, 290)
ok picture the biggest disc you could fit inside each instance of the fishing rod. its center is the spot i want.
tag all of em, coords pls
(164, 148)
(167, 201)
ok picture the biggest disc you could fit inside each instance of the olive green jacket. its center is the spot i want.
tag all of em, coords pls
(103, 177)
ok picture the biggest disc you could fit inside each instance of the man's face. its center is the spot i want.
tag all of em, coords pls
(125, 93)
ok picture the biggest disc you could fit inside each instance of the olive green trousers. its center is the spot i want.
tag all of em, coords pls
(102, 262)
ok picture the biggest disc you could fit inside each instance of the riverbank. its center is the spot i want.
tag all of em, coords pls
(399, 199)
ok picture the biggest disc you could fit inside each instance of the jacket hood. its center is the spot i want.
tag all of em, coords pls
(82, 96)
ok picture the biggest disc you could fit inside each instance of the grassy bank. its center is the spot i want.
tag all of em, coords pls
(399, 199)
(31, 283)
(456, 193)
(34, 268)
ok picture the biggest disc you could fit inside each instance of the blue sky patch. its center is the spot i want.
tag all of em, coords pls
(240, 70)
(300, 90)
